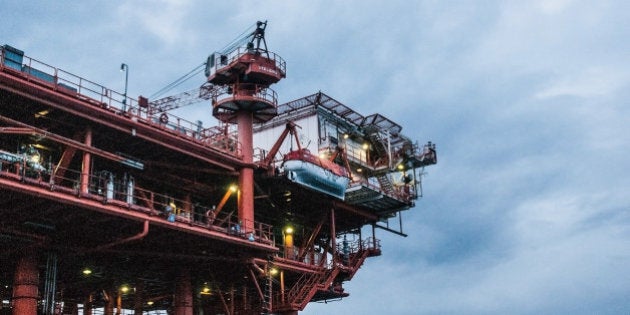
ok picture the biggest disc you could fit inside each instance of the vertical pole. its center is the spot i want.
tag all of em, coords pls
(389, 149)
(244, 297)
(282, 286)
(232, 300)
(25, 284)
(118, 302)
(183, 294)
(400, 221)
(85, 168)
(139, 297)
(373, 236)
(360, 240)
(50, 284)
(270, 285)
(188, 208)
(288, 246)
(333, 235)
(87, 306)
(109, 306)
(245, 121)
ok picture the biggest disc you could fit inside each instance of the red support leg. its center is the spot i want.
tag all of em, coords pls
(25, 286)
(246, 178)
(183, 294)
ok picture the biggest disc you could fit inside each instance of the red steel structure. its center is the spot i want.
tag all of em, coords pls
(109, 203)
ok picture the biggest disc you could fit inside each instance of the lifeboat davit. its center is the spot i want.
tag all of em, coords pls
(319, 174)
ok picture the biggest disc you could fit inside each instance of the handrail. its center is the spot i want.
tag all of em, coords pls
(94, 94)
(255, 91)
(118, 192)
(238, 52)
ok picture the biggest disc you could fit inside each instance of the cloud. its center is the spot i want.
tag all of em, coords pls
(527, 210)
(162, 19)
(590, 82)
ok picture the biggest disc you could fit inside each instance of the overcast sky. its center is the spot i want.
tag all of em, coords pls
(528, 210)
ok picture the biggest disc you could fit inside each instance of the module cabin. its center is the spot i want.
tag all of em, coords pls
(379, 163)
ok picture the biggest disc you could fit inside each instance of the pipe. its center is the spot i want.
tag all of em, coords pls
(138, 236)
(85, 166)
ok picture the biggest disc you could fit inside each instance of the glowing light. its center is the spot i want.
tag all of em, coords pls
(205, 290)
(359, 170)
(273, 271)
(233, 188)
(86, 271)
(35, 158)
(366, 146)
(42, 113)
(124, 289)
(346, 136)
(149, 302)
(289, 230)
(401, 167)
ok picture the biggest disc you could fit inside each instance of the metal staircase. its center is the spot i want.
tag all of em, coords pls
(380, 148)
(341, 269)
(386, 185)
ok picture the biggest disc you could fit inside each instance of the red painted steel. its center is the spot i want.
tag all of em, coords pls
(25, 292)
(246, 177)
(314, 264)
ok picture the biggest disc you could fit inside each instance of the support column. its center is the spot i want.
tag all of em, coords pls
(87, 162)
(282, 286)
(25, 284)
(333, 236)
(288, 245)
(111, 302)
(183, 294)
(87, 305)
(245, 122)
(139, 297)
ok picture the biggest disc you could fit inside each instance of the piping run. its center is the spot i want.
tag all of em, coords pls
(138, 236)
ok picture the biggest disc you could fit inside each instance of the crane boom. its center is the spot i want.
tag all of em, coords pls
(205, 92)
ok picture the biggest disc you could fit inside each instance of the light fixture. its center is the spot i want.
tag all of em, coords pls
(366, 146)
(273, 271)
(86, 271)
(288, 230)
(233, 188)
(35, 158)
(359, 170)
(149, 302)
(401, 166)
(124, 288)
(346, 136)
(124, 67)
(42, 113)
(205, 290)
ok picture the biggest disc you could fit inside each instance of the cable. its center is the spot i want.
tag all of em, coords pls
(229, 47)
(179, 81)
(238, 40)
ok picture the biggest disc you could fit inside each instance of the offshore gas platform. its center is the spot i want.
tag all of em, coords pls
(113, 205)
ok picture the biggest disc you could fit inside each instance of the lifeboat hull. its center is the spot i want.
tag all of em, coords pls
(316, 178)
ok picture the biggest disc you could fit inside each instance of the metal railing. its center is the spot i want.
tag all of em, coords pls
(224, 61)
(122, 191)
(94, 94)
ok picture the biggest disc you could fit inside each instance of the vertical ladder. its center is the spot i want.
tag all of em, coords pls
(266, 303)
